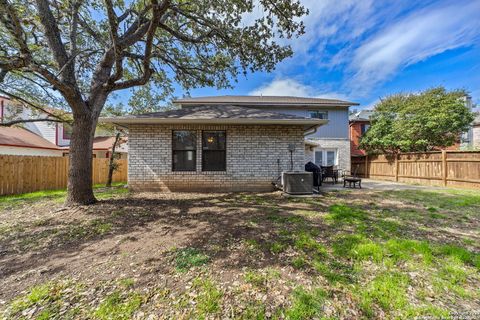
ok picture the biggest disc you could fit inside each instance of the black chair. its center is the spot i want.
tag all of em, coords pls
(329, 172)
(352, 178)
(317, 173)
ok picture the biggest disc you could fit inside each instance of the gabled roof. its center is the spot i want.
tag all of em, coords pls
(362, 115)
(476, 121)
(223, 114)
(263, 101)
(19, 137)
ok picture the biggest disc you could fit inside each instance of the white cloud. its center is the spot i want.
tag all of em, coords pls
(291, 87)
(416, 37)
(283, 87)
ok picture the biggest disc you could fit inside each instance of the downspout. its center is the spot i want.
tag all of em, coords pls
(313, 130)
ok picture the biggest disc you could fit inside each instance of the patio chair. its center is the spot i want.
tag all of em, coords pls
(330, 172)
(352, 178)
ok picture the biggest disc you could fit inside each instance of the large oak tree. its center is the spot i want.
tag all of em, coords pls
(77, 53)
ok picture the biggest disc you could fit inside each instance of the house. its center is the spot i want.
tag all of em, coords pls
(359, 123)
(19, 141)
(57, 133)
(231, 143)
(327, 145)
(102, 147)
(476, 132)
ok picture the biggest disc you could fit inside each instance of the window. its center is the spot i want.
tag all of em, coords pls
(364, 128)
(330, 158)
(214, 151)
(67, 132)
(319, 114)
(326, 157)
(184, 150)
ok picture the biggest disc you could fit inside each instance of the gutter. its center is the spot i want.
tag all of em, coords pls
(124, 121)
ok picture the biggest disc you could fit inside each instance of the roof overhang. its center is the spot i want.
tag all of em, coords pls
(126, 121)
(266, 104)
(311, 143)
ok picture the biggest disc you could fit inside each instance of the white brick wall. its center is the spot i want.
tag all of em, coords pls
(342, 146)
(476, 136)
(252, 154)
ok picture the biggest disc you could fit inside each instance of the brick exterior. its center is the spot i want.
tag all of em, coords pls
(355, 135)
(341, 145)
(252, 153)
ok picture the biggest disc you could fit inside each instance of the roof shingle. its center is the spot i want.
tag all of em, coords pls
(263, 100)
(18, 137)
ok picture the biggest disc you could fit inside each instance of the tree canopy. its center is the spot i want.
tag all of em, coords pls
(426, 121)
(76, 53)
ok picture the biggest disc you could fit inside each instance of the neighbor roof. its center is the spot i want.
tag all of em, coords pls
(216, 115)
(264, 100)
(18, 137)
(476, 121)
(363, 115)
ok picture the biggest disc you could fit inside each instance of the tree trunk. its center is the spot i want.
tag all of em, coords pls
(111, 167)
(80, 188)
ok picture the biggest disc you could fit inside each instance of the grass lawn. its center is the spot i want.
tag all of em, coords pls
(350, 254)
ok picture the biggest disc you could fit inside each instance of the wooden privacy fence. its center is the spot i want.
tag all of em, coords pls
(20, 174)
(442, 168)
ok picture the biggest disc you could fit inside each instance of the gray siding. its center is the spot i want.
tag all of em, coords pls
(337, 126)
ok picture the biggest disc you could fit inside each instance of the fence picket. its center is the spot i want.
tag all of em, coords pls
(21, 174)
(441, 168)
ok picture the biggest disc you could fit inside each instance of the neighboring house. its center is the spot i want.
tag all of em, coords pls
(18, 141)
(102, 147)
(358, 123)
(56, 133)
(232, 143)
(476, 132)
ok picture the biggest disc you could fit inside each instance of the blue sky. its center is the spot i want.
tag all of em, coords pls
(364, 50)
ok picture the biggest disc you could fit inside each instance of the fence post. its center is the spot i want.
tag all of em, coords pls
(366, 167)
(444, 167)
(396, 166)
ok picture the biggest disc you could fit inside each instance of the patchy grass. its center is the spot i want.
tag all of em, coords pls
(306, 304)
(119, 305)
(208, 297)
(58, 196)
(187, 258)
(355, 254)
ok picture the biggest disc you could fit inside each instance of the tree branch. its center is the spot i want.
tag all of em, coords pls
(13, 122)
(32, 105)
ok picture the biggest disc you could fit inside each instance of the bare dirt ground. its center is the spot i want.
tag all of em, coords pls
(361, 253)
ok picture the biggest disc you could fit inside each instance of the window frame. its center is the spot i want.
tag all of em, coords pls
(318, 112)
(67, 132)
(324, 152)
(364, 128)
(206, 151)
(184, 150)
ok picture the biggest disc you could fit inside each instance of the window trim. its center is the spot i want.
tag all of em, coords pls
(318, 111)
(184, 150)
(324, 156)
(224, 151)
(64, 130)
